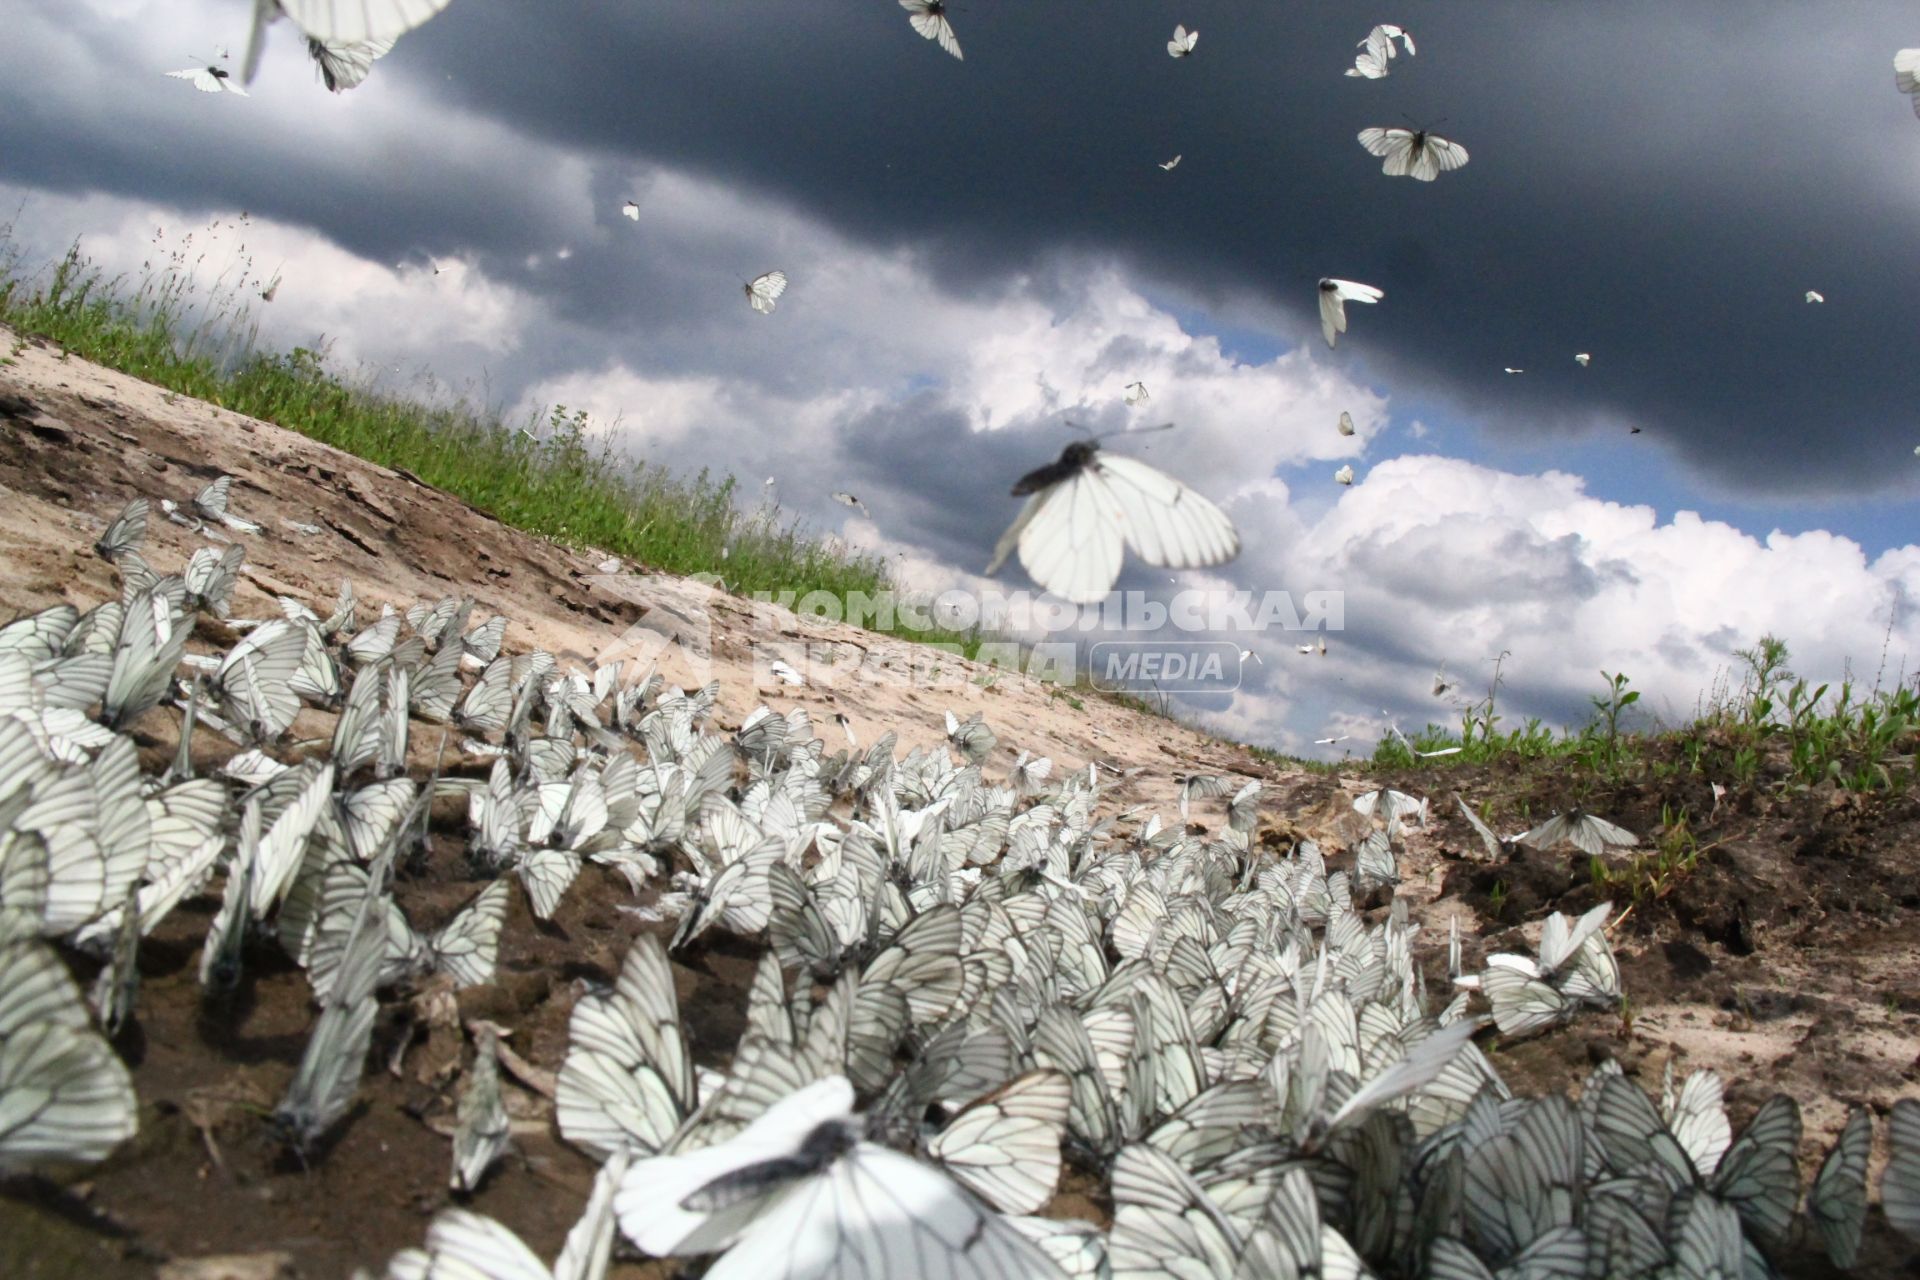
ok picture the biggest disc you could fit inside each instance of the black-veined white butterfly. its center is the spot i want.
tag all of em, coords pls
(480, 1118)
(1838, 1198)
(462, 1245)
(339, 21)
(212, 503)
(1590, 835)
(328, 1077)
(799, 1195)
(210, 78)
(65, 1097)
(1377, 51)
(627, 1081)
(1499, 848)
(345, 64)
(1900, 1181)
(929, 18)
(1413, 153)
(1334, 297)
(1906, 75)
(1084, 509)
(764, 290)
(1169, 166)
(1182, 43)
(127, 532)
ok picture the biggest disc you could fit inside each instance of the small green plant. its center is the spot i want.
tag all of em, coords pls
(1609, 705)
(1654, 874)
(1497, 899)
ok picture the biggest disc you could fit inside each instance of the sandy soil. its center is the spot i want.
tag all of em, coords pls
(1789, 960)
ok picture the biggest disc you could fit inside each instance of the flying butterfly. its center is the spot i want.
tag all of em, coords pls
(210, 78)
(764, 290)
(1377, 52)
(1583, 830)
(929, 18)
(1084, 509)
(1413, 153)
(338, 22)
(1334, 297)
(1906, 75)
(344, 64)
(1182, 43)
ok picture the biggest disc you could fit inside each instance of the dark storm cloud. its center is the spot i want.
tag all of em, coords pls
(1656, 184)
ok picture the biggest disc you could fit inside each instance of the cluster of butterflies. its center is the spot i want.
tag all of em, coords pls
(975, 975)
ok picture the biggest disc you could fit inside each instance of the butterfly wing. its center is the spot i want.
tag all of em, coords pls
(1069, 539)
(359, 21)
(765, 290)
(1165, 522)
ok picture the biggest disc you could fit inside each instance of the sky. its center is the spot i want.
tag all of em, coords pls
(980, 250)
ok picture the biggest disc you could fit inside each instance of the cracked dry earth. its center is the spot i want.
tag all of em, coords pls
(1790, 961)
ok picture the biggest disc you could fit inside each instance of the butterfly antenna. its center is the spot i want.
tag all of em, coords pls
(1135, 431)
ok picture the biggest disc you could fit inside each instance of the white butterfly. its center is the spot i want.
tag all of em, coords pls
(1900, 1182)
(1137, 392)
(480, 1118)
(971, 737)
(1815, 296)
(1346, 424)
(1170, 165)
(338, 22)
(209, 79)
(848, 500)
(1343, 476)
(1334, 297)
(798, 1194)
(1377, 51)
(345, 64)
(1583, 359)
(762, 291)
(1510, 369)
(1585, 832)
(462, 1245)
(1182, 43)
(630, 210)
(1084, 509)
(328, 1077)
(65, 1097)
(929, 18)
(1906, 75)
(1413, 153)
(127, 532)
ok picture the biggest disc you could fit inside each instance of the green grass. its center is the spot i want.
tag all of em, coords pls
(550, 477)
(1774, 730)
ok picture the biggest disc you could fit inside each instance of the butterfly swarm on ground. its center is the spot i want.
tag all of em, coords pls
(972, 978)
